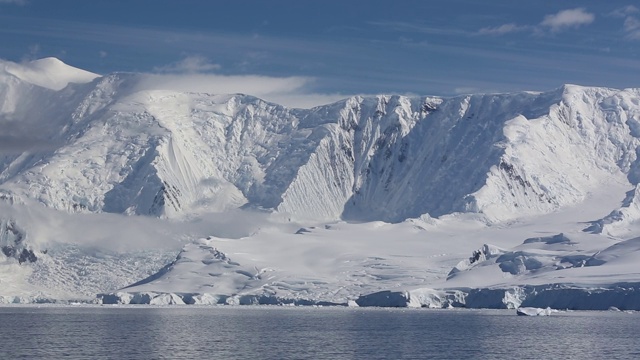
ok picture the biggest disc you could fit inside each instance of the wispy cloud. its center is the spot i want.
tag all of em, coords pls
(632, 28)
(571, 18)
(631, 25)
(624, 11)
(503, 29)
(294, 91)
(224, 84)
(417, 28)
(560, 21)
(190, 65)
(119, 233)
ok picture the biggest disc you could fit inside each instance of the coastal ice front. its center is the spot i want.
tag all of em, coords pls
(117, 192)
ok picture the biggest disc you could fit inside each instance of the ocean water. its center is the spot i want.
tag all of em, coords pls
(93, 332)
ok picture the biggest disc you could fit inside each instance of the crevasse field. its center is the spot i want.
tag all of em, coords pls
(132, 188)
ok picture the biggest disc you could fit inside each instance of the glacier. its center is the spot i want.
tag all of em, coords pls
(117, 192)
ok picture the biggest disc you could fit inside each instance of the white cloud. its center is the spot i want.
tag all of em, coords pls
(189, 65)
(102, 53)
(624, 11)
(631, 23)
(570, 18)
(287, 91)
(223, 84)
(502, 29)
(632, 28)
(120, 233)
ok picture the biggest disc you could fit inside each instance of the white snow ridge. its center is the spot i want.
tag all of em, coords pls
(114, 193)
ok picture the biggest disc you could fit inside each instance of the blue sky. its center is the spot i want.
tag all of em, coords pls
(341, 47)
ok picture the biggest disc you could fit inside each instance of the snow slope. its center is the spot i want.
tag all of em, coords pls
(419, 262)
(365, 195)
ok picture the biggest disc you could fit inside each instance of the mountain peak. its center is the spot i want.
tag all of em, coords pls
(48, 61)
(50, 73)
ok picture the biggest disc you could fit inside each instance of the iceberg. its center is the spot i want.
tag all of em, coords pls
(529, 311)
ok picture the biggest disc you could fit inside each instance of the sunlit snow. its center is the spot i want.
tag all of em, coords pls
(117, 192)
(49, 73)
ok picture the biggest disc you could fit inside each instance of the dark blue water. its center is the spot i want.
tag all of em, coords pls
(311, 333)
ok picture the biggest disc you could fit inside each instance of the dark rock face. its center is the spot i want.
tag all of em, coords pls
(26, 255)
(12, 243)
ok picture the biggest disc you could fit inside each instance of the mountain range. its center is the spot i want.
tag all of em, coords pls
(378, 187)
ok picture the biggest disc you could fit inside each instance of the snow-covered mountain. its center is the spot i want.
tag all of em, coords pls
(78, 143)
(112, 148)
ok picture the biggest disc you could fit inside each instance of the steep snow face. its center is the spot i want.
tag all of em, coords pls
(585, 142)
(71, 161)
(416, 156)
(505, 156)
(217, 152)
(109, 147)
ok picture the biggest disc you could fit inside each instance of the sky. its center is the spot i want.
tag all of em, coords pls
(317, 51)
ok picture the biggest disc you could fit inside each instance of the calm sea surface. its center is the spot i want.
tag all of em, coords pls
(31, 332)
